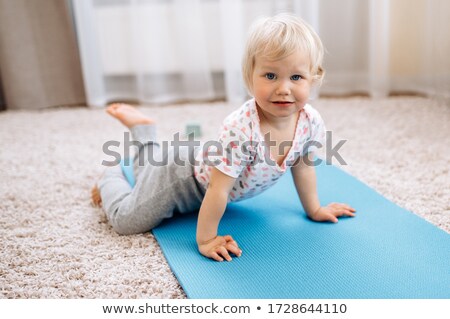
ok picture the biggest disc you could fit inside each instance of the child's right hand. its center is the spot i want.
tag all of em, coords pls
(219, 247)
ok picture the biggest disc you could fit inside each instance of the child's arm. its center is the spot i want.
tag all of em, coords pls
(304, 174)
(211, 212)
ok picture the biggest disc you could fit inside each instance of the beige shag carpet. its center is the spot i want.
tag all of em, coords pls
(54, 244)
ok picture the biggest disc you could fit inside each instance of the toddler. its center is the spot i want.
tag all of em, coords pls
(274, 131)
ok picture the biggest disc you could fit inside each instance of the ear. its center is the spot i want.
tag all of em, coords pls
(318, 77)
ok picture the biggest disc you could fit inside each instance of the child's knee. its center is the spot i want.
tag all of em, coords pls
(127, 226)
(124, 228)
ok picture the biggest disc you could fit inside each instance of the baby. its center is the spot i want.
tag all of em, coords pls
(274, 131)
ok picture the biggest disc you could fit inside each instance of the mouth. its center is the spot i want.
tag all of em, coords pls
(282, 103)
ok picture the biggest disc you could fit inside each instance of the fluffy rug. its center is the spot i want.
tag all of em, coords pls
(54, 244)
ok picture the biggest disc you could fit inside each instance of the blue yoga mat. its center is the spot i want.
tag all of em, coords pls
(384, 252)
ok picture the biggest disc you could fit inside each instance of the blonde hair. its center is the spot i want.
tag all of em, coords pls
(278, 37)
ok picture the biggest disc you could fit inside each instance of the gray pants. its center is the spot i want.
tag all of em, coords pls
(160, 190)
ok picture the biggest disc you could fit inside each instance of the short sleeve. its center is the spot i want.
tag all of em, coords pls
(231, 153)
(317, 138)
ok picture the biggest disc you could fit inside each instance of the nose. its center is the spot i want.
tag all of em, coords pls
(283, 88)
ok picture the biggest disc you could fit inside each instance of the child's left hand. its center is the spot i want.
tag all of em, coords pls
(331, 212)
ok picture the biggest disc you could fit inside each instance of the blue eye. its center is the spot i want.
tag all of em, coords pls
(270, 76)
(296, 77)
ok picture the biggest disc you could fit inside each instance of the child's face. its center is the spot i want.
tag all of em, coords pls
(281, 87)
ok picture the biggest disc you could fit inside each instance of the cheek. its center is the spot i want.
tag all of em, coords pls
(260, 90)
(302, 92)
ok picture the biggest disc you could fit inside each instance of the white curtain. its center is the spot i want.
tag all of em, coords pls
(156, 51)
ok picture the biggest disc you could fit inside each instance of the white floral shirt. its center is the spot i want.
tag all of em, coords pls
(240, 151)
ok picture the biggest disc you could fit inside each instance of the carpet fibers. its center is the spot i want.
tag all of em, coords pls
(54, 244)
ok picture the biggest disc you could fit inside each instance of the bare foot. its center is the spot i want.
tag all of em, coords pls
(128, 115)
(95, 196)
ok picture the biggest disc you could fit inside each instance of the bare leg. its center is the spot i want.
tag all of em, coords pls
(130, 117)
(160, 190)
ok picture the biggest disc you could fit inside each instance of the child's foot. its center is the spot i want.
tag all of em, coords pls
(95, 196)
(128, 115)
